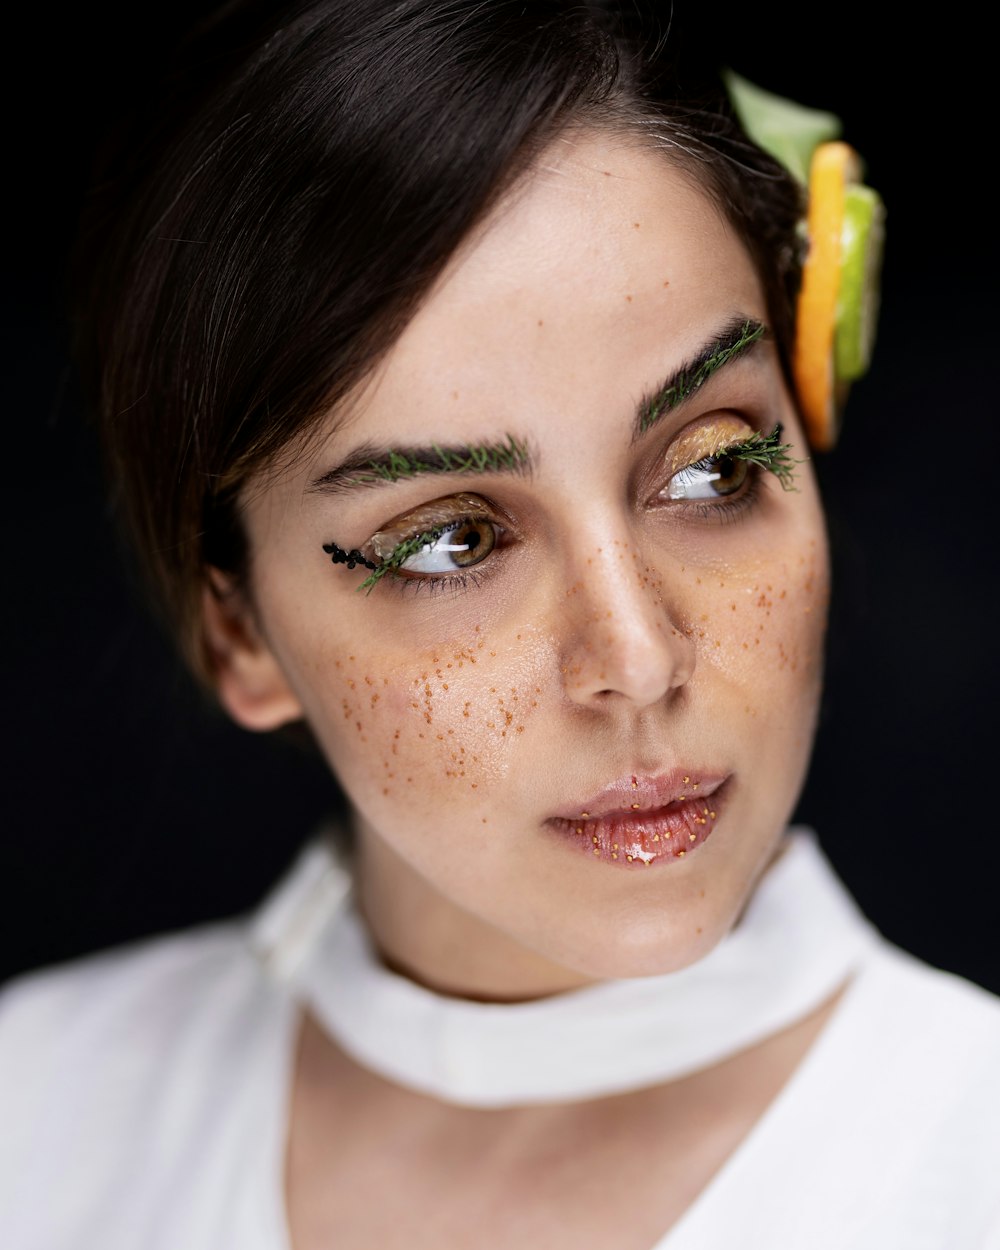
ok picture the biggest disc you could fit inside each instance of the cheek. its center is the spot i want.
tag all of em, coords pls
(761, 625)
(773, 610)
(439, 725)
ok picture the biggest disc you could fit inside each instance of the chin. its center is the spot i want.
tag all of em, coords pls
(646, 941)
(673, 926)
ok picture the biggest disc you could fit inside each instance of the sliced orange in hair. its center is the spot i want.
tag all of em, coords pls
(838, 300)
(834, 166)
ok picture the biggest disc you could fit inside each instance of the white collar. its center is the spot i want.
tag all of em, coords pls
(800, 938)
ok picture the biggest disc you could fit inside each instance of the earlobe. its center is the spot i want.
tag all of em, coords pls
(249, 681)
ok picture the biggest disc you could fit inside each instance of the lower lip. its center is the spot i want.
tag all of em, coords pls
(662, 835)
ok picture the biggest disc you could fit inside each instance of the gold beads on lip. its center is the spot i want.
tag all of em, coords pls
(664, 833)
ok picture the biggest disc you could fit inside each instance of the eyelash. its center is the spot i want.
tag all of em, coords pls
(762, 453)
(432, 582)
(439, 583)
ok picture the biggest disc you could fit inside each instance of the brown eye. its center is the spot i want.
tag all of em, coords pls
(710, 478)
(730, 474)
(471, 542)
(459, 547)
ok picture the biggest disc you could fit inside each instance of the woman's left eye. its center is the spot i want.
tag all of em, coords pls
(459, 547)
(710, 478)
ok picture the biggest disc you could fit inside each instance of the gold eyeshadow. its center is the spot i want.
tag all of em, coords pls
(705, 440)
(431, 517)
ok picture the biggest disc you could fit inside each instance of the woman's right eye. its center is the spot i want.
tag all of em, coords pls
(461, 546)
(439, 543)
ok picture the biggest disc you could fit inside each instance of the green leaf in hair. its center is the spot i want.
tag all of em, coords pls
(788, 131)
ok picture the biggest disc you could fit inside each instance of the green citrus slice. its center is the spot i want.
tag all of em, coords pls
(861, 242)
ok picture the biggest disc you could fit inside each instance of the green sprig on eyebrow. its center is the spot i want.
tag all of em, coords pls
(408, 547)
(689, 380)
(767, 451)
(484, 458)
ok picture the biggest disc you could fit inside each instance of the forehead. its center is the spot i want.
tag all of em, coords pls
(604, 267)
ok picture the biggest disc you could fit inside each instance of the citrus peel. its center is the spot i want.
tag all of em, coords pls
(862, 238)
(833, 167)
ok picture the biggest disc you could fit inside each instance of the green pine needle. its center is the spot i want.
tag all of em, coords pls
(487, 458)
(408, 547)
(689, 380)
(767, 451)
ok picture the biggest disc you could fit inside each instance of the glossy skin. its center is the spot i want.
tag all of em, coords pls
(612, 632)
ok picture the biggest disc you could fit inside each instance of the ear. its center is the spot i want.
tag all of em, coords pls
(248, 679)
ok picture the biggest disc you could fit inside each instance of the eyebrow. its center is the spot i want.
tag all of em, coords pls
(378, 466)
(372, 465)
(733, 341)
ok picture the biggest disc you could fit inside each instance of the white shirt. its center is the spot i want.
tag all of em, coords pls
(144, 1097)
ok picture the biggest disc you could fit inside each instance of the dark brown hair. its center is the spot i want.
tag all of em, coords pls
(307, 172)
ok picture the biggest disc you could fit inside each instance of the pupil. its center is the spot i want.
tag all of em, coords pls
(731, 474)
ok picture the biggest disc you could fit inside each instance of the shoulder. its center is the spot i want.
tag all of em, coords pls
(906, 1088)
(922, 1012)
(885, 1137)
(110, 1067)
(77, 1021)
(921, 1047)
(106, 989)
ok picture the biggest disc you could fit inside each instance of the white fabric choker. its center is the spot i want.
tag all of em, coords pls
(799, 940)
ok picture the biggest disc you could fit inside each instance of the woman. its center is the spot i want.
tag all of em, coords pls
(445, 361)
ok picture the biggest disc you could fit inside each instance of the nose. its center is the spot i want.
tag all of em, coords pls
(622, 646)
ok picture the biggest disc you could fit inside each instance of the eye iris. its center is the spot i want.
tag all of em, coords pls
(474, 540)
(730, 474)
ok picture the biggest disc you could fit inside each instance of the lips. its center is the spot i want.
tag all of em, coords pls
(639, 820)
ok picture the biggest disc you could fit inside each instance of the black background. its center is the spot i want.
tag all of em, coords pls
(129, 807)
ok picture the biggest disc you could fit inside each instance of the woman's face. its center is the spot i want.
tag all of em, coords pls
(570, 755)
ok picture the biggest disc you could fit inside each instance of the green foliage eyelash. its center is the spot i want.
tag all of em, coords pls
(767, 451)
(408, 547)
